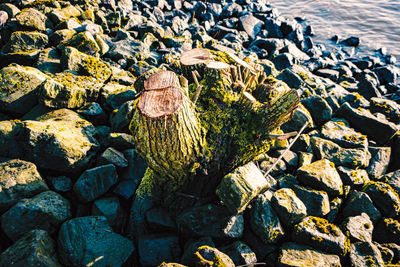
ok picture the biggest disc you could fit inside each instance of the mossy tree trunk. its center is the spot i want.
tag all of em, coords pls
(191, 137)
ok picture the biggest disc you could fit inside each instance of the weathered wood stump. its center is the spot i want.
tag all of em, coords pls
(191, 139)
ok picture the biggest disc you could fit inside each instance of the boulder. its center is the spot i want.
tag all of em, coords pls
(251, 25)
(319, 109)
(111, 209)
(288, 206)
(353, 177)
(365, 254)
(384, 198)
(31, 19)
(84, 42)
(112, 156)
(359, 202)
(240, 253)
(21, 42)
(358, 228)
(380, 158)
(344, 136)
(159, 219)
(188, 257)
(156, 248)
(316, 202)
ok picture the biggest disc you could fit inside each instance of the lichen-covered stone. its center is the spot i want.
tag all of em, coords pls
(319, 233)
(264, 221)
(359, 202)
(21, 42)
(365, 254)
(90, 240)
(353, 177)
(35, 248)
(292, 254)
(358, 228)
(31, 19)
(59, 15)
(240, 186)
(66, 90)
(18, 88)
(321, 175)
(349, 157)
(61, 36)
(154, 249)
(385, 106)
(48, 61)
(387, 230)
(316, 202)
(384, 197)
(19, 179)
(338, 132)
(93, 113)
(393, 179)
(45, 211)
(211, 220)
(379, 161)
(189, 257)
(84, 42)
(208, 256)
(240, 253)
(95, 182)
(114, 95)
(288, 206)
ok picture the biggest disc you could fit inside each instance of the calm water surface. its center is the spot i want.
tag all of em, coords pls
(376, 22)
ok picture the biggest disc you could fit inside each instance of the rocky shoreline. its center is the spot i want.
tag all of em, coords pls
(69, 168)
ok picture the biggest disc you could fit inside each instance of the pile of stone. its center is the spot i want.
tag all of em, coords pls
(69, 168)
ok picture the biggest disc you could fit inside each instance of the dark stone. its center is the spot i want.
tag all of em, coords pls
(112, 210)
(288, 206)
(320, 110)
(60, 184)
(365, 254)
(283, 61)
(93, 113)
(384, 197)
(328, 73)
(188, 257)
(240, 253)
(155, 249)
(112, 156)
(251, 25)
(387, 74)
(290, 78)
(357, 203)
(351, 41)
(159, 219)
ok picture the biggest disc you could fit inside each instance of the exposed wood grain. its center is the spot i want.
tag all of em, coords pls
(160, 103)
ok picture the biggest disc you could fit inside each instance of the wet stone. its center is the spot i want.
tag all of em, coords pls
(358, 228)
(384, 198)
(155, 249)
(359, 202)
(240, 186)
(365, 254)
(45, 211)
(288, 206)
(95, 182)
(240, 253)
(319, 233)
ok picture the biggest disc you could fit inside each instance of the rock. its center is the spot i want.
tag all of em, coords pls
(320, 234)
(384, 197)
(112, 156)
(328, 73)
(387, 231)
(66, 90)
(171, 265)
(290, 78)
(60, 184)
(45, 211)
(61, 36)
(240, 253)
(300, 116)
(264, 221)
(321, 175)
(297, 54)
(380, 158)
(95, 182)
(365, 254)
(10, 9)
(387, 74)
(358, 203)
(305, 158)
(62, 14)
(111, 209)
(19, 85)
(211, 220)
(86, 240)
(316, 202)
(115, 95)
(188, 257)
(160, 220)
(350, 157)
(86, 65)
(387, 254)
(120, 119)
(208, 256)
(351, 41)
(292, 254)
(283, 61)
(288, 206)
(387, 107)
(251, 25)
(240, 186)
(393, 179)
(267, 162)
(93, 113)
(361, 119)
(48, 61)
(353, 177)
(21, 42)
(84, 42)
(395, 249)
(358, 228)
(319, 109)
(31, 19)
(18, 179)
(125, 189)
(154, 249)
(121, 141)
(35, 248)
(342, 135)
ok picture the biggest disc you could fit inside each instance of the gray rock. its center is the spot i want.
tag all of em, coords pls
(48, 61)
(93, 113)
(115, 95)
(384, 198)
(362, 120)
(359, 202)
(61, 14)
(60, 183)
(353, 177)
(321, 175)
(121, 141)
(328, 73)
(288, 206)
(319, 109)
(290, 78)
(393, 179)
(240, 186)
(112, 156)
(349, 157)
(387, 230)
(18, 179)
(264, 221)
(267, 162)
(387, 107)
(111, 209)
(290, 158)
(157, 248)
(45, 211)
(120, 119)
(209, 256)
(125, 188)
(188, 257)
(35, 248)
(316, 202)
(379, 161)
(320, 234)
(335, 206)
(240, 253)
(283, 61)
(292, 254)
(300, 116)
(387, 74)
(387, 254)
(344, 136)
(365, 254)
(305, 158)
(159, 219)
(31, 19)
(358, 228)
(86, 240)
(22, 42)
(251, 25)
(84, 42)
(211, 220)
(19, 85)
(395, 249)
(95, 182)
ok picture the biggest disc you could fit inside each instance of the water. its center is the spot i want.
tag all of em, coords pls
(376, 22)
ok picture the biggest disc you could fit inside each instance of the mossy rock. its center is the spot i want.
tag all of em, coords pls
(31, 19)
(18, 88)
(21, 42)
(84, 42)
(61, 36)
(384, 197)
(59, 15)
(66, 90)
(338, 132)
